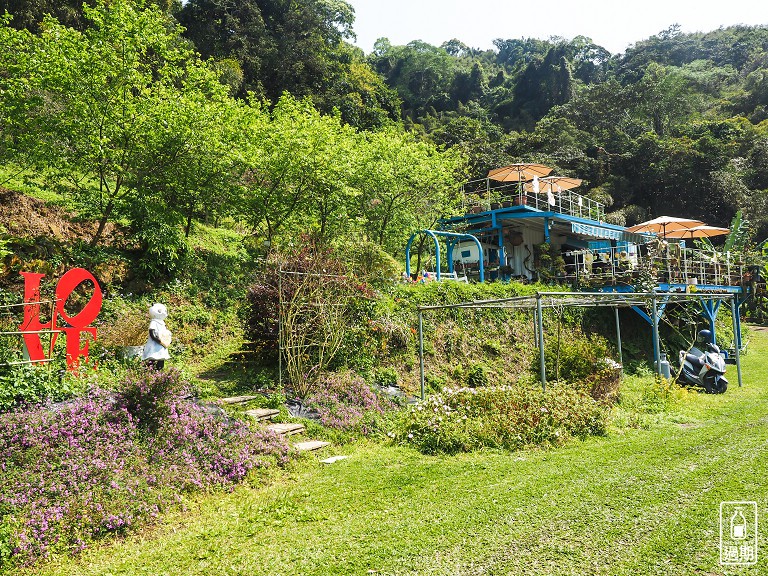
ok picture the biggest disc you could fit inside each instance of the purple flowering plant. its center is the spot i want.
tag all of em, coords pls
(344, 401)
(108, 462)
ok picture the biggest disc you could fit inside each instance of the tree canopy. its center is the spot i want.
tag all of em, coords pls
(262, 110)
(124, 118)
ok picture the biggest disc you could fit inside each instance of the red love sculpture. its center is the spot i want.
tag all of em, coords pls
(75, 325)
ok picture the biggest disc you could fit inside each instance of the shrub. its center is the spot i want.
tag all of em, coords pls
(123, 324)
(603, 383)
(150, 396)
(27, 384)
(477, 376)
(438, 424)
(385, 377)
(75, 472)
(371, 263)
(434, 382)
(662, 395)
(303, 298)
(393, 333)
(492, 347)
(464, 419)
(344, 401)
(163, 247)
(573, 356)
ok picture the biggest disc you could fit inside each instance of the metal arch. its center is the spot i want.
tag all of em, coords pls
(408, 251)
(434, 234)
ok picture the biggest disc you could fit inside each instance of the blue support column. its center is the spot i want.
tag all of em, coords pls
(546, 230)
(656, 312)
(502, 259)
(736, 335)
(451, 245)
(642, 314)
(737, 320)
(709, 309)
(408, 253)
(655, 332)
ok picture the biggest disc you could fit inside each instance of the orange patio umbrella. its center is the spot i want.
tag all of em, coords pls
(698, 232)
(551, 184)
(663, 225)
(518, 172)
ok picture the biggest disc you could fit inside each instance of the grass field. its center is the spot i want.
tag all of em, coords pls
(638, 501)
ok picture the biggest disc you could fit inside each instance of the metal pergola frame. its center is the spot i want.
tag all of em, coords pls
(654, 302)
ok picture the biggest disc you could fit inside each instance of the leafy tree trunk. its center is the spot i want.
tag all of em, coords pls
(102, 223)
(421, 247)
(188, 225)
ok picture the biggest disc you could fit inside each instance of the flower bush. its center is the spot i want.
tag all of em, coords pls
(603, 383)
(75, 472)
(345, 402)
(572, 357)
(464, 419)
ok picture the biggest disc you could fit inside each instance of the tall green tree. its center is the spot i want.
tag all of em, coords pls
(29, 14)
(421, 73)
(296, 164)
(112, 108)
(405, 185)
(295, 46)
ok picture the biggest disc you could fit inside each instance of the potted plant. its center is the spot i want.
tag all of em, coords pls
(548, 262)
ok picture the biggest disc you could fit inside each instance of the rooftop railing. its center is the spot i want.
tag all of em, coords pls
(485, 194)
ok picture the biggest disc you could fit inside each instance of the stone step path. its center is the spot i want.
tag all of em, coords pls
(281, 428)
(286, 428)
(333, 459)
(262, 413)
(310, 445)
(237, 399)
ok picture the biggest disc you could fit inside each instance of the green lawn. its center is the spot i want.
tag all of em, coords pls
(637, 502)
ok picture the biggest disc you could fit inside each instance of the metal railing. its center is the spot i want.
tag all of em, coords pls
(484, 195)
(663, 263)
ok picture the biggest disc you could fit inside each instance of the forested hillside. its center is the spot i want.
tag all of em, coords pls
(675, 125)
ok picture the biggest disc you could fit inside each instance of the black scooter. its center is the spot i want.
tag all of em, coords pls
(703, 369)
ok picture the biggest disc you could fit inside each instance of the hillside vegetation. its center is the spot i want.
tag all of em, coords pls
(639, 501)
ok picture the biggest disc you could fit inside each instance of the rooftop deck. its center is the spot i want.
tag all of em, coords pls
(594, 253)
(485, 194)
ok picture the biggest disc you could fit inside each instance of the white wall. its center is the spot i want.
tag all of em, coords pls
(516, 255)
